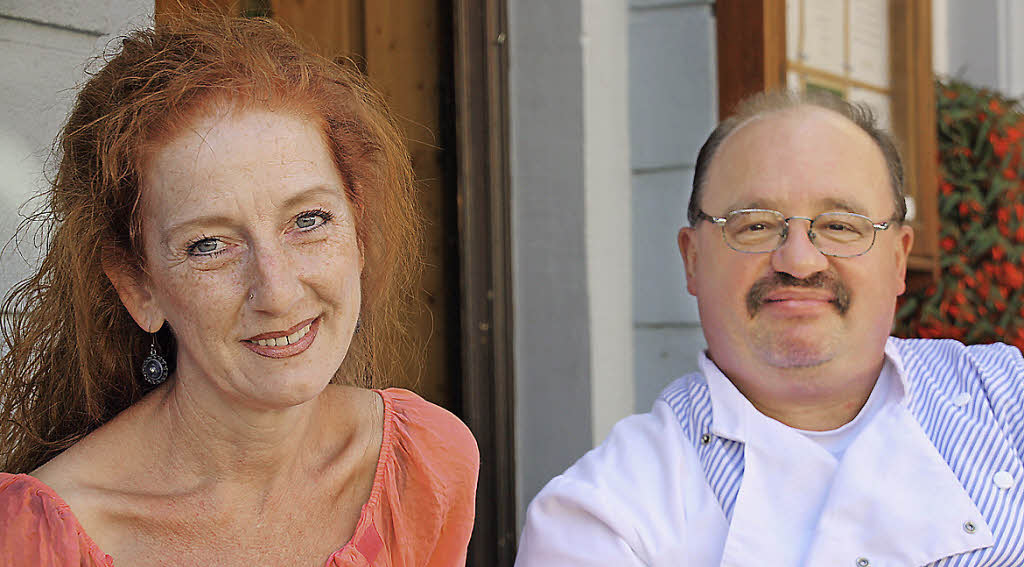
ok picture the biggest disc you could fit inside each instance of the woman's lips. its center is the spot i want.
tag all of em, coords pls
(282, 344)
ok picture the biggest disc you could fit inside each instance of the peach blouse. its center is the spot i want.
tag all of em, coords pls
(420, 510)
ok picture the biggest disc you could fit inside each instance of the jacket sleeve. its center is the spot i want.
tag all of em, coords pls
(623, 503)
(573, 523)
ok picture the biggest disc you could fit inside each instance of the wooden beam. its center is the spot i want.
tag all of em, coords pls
(332, 28)
(751, 37)
(485, 252)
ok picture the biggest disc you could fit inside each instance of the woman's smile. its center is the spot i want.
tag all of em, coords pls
(282, 344)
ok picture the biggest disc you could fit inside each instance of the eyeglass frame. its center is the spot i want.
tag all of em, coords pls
(720, 222)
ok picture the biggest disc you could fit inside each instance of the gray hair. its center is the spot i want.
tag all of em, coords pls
(762, 104)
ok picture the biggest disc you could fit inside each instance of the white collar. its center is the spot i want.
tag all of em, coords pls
(731, 410)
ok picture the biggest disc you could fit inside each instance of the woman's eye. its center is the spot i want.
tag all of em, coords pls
(205, 247)
(311, 220)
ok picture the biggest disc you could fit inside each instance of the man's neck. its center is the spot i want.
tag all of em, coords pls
(812, 399)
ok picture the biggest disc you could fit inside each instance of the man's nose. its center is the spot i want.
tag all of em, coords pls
(274, 282)
(798, 256)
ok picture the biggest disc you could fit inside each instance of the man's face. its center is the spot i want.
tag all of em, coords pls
(796, 308)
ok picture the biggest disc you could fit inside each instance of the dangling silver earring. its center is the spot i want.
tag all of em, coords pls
(154, 367)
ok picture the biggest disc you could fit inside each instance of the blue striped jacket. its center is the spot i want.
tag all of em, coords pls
(978, 439)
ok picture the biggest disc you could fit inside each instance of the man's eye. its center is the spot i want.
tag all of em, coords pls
(205, 247)
(756, 227)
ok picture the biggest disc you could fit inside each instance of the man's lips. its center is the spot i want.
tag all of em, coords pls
(781, 290)
(804, 295)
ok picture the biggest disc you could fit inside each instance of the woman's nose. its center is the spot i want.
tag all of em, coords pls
(275, 285)
(798, 256)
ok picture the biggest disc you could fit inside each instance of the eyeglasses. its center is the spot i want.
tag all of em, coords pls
(756, 231)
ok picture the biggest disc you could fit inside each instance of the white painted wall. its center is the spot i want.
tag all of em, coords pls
(44, 48)
(607, 201)
(980, 41)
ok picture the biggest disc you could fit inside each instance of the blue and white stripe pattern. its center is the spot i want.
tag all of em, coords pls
(976, 440)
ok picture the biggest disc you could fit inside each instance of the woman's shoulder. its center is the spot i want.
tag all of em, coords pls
(38, 528)
(425, 491)
(433, 432)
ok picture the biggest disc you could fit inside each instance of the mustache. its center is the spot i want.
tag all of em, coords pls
(820, 280)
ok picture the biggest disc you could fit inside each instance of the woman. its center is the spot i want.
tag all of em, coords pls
(242, 209)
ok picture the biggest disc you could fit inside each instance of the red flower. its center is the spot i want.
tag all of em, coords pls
(998, 253)
(963, 209)
(1019, 235)
(1003, 215)
(948, 243)
(946, 188)
(999, 145)
(983, 292)
(1019, 209)
(1014, 134)
(1012, 276)
(994, 106)
(1009, 173)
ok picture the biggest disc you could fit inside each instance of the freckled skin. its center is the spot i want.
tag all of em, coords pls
(804, 363)
(244, 185)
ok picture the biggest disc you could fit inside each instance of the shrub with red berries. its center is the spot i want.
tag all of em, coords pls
(979, 294)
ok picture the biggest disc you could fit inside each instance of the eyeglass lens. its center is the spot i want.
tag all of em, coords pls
(835, 234)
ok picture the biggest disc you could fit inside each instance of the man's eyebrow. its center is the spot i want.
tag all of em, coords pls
(824, 205)
(845, 206)
(310, 194)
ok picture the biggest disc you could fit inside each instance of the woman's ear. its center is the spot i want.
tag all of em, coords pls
(133, 289)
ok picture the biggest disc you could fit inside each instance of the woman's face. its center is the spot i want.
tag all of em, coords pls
(251, 252)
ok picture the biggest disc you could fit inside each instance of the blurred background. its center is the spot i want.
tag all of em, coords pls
(554, 142)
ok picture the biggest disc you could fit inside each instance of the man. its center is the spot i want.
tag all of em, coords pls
(809, 437)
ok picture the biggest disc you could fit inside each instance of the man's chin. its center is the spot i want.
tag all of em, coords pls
(807, 349)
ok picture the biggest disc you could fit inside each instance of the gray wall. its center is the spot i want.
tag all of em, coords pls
(571, 233)
(673, 107)
(44, 49)
(553, 410)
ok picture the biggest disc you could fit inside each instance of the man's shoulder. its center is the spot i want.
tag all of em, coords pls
(626, 497)
(948, 357)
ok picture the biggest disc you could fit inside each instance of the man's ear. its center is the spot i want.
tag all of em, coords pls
(133, 290)
(905, 244)
(688, 250)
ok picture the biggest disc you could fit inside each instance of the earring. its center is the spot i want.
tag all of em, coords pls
(154, 367)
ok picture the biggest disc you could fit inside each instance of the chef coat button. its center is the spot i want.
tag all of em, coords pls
(969, 527)
(705, 439)
(962, 400)
(1003, 479)
(863, 562)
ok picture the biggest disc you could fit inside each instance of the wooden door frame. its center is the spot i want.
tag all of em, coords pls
(485, 251)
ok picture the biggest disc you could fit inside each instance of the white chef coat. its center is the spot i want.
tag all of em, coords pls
(745, 489)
